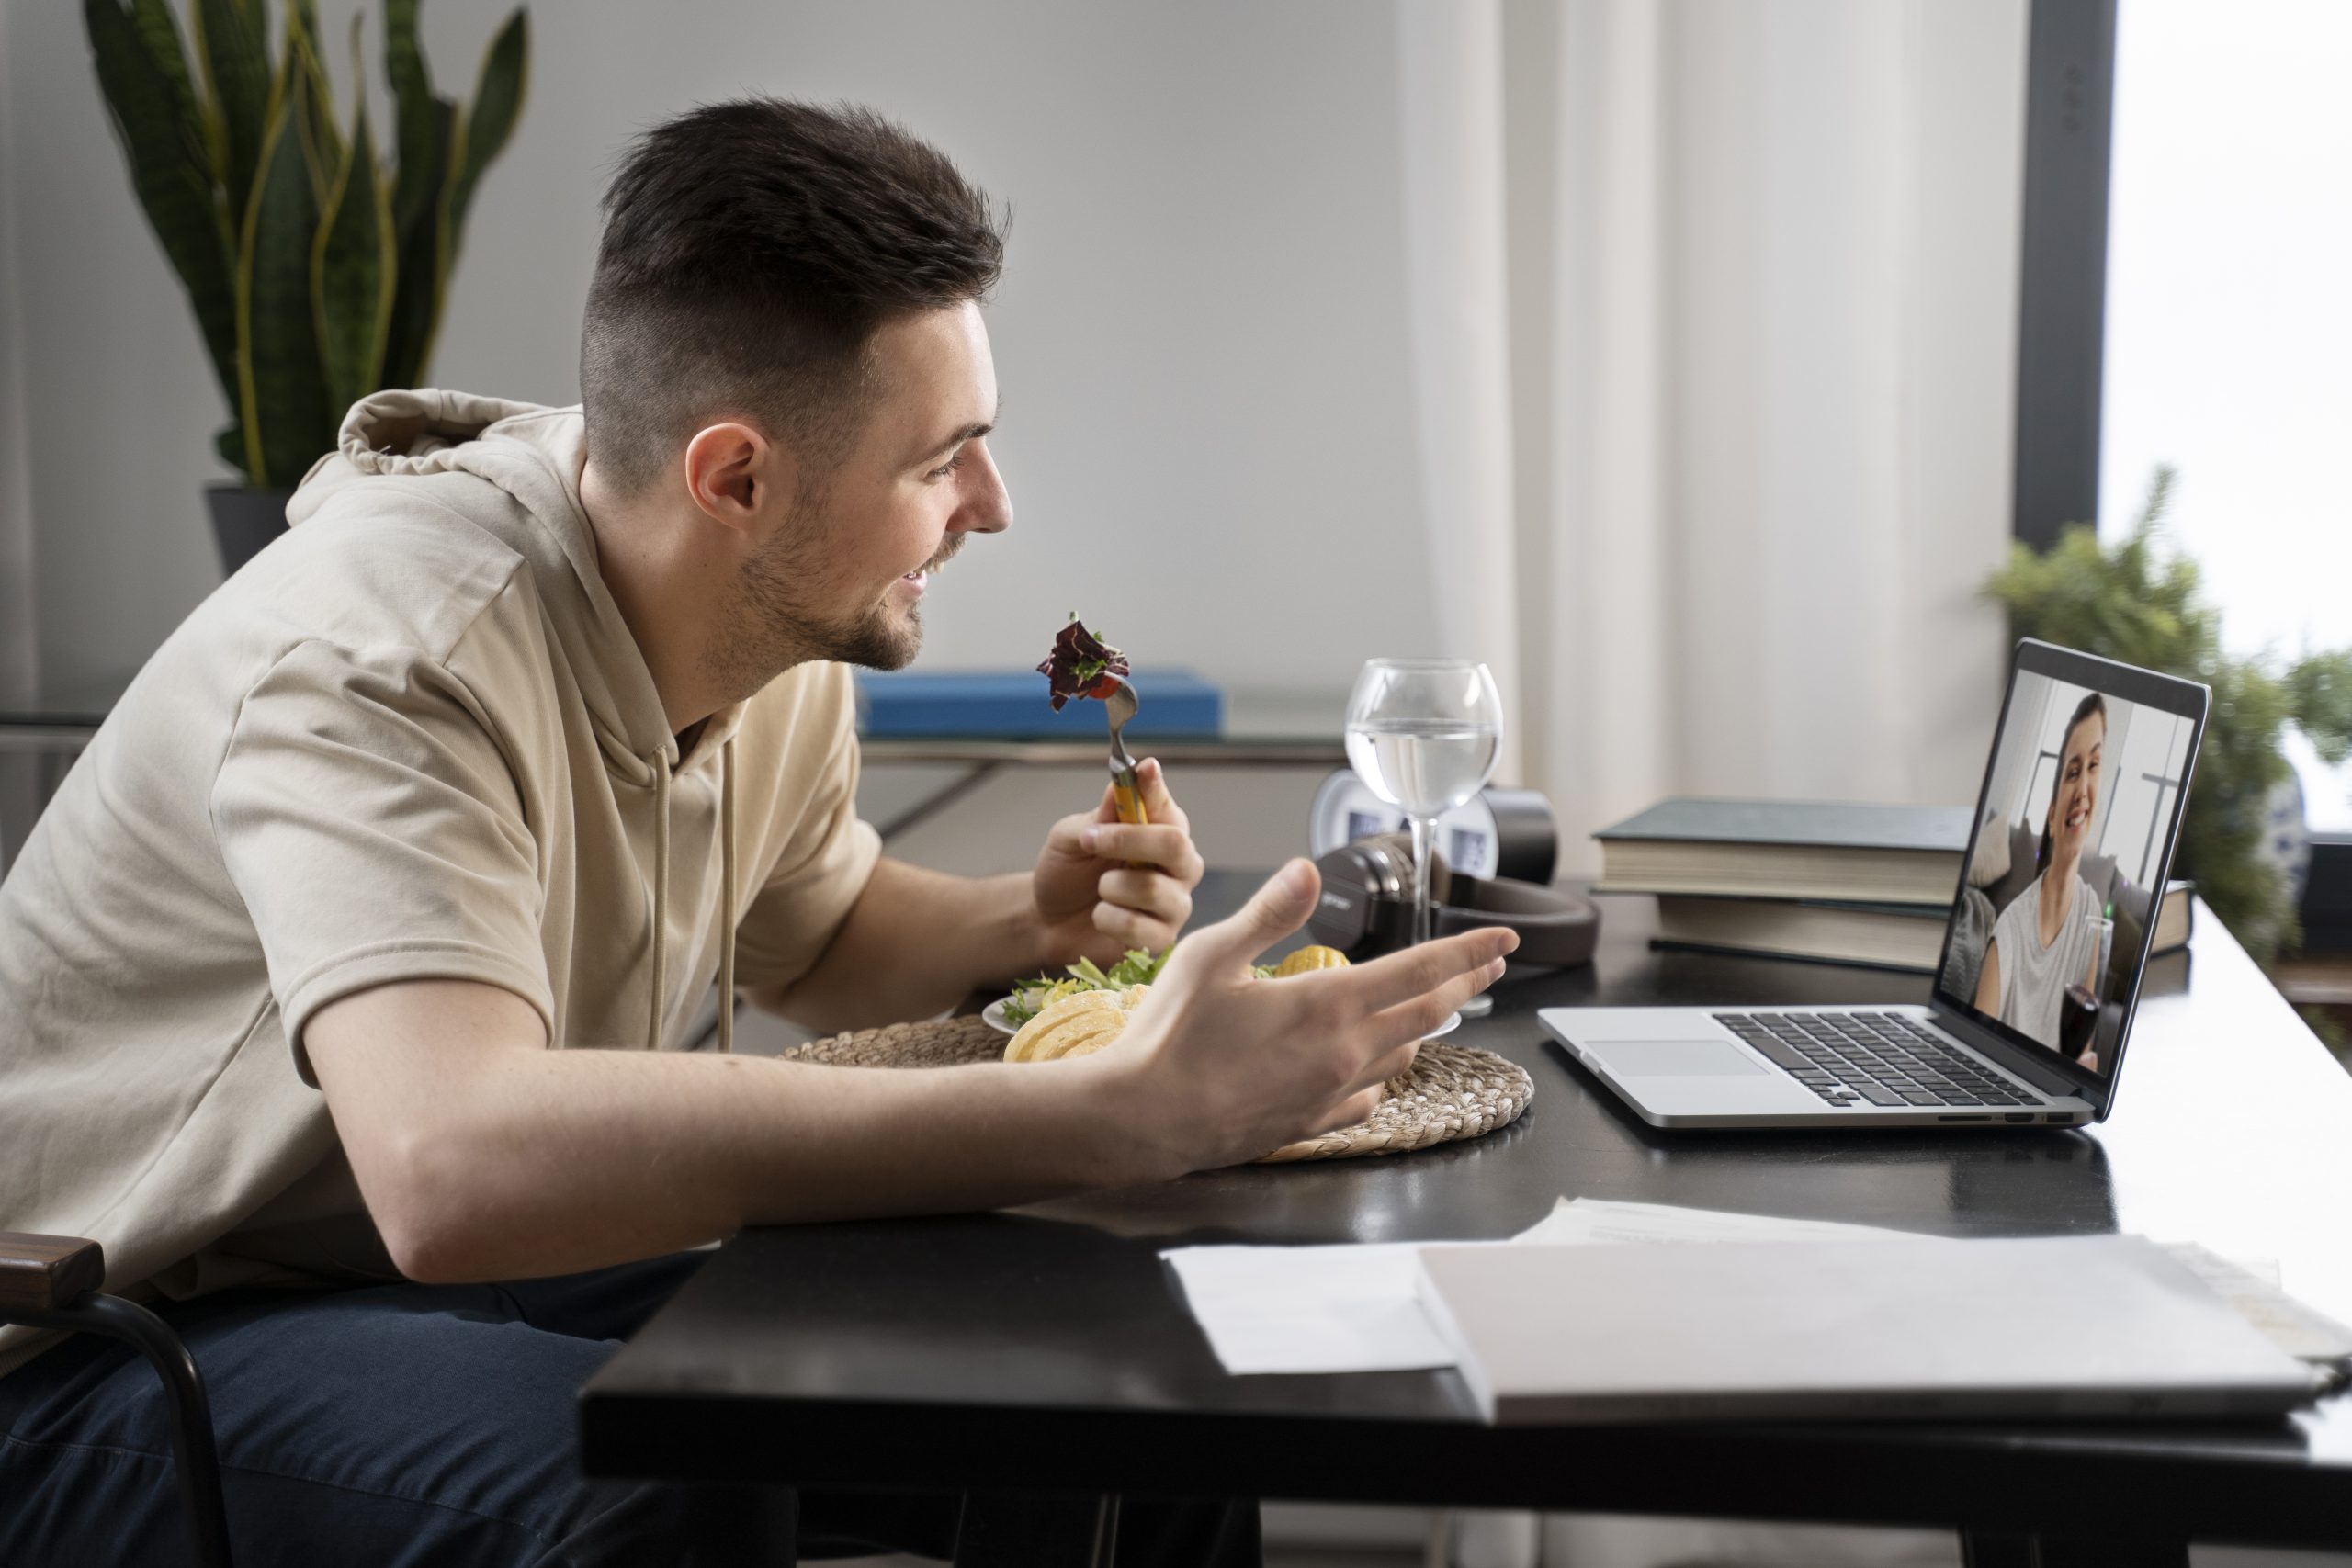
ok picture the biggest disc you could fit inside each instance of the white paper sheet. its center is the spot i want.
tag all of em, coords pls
(1357, 1308)
(1311, 1309)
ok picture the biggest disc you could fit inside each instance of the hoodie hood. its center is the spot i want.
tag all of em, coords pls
(529, 460)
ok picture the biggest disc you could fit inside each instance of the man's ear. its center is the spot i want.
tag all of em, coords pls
(738, 476)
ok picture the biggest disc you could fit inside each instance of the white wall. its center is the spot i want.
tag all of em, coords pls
(1204, 338)
(19, 672)
(1200, 334)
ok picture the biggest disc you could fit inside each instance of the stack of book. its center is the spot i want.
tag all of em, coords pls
(1837, 882)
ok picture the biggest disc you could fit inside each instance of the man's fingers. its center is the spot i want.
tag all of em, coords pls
(1416, 971)
(1146, 893)
(1356, 1107)
(1133, 929)
(1067, 836)
(1279, 907)
(1388, 1065)
(1158, 804)
(1165, 846)
(1419, 1016)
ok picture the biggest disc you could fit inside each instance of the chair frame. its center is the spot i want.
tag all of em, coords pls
(50, 1282)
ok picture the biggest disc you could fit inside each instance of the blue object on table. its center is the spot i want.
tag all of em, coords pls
(1003, 704)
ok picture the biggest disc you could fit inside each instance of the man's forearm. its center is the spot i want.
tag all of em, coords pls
(916, 943)
(482, 1155)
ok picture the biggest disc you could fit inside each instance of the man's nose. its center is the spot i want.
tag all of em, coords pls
(987, 507)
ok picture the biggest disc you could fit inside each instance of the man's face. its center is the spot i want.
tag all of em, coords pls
(845, 575)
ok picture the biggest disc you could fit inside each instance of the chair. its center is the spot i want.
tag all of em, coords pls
(52, 1281)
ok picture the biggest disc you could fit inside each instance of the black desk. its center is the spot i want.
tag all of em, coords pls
(1049, 1347)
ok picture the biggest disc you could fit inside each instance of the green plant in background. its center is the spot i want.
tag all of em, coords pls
(318, 273)
(2141, 601)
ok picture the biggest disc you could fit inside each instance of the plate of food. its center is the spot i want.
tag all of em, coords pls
(1139, 969)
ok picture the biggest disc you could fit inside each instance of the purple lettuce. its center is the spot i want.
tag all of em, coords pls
(1082, 665)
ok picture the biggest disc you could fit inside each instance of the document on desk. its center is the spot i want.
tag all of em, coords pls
(2295, 1328)
(1311, 1309)
(2084, 1326)
(1357, 1309)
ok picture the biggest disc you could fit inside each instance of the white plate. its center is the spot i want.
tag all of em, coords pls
(993, 1016)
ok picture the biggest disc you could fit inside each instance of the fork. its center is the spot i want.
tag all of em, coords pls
(1119, 708)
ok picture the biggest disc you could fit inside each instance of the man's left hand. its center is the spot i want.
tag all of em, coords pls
(1091, 901)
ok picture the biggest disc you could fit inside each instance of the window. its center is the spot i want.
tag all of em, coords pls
(2228, 316)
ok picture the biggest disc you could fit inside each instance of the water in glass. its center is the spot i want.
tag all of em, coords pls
(1422, 768)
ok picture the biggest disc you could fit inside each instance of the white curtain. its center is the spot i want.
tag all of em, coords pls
(1450, 117)
(1721, 297)
(1713, 329)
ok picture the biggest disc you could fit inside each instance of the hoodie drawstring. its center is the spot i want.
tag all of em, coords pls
(661, 896)
(726, 896)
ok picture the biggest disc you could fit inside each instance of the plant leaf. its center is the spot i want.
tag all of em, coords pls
(233, 49)
(352, 272)
(160, 31)
(284, 402)
(322, 141)
(499, 90)
(416, 299)
(426, 131)
(421, 118)
(170, 172)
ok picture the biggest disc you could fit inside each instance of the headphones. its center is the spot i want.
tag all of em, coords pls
(1366, 904)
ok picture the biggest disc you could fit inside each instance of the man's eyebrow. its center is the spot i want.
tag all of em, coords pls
(964, 434)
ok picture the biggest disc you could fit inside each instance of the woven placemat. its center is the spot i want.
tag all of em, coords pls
(1452, 1092)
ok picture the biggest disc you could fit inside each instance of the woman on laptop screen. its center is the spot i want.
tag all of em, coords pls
(2041, 972)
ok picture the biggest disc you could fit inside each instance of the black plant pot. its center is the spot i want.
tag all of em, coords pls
(243, 520)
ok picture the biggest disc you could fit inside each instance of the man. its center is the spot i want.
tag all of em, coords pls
(538, 723)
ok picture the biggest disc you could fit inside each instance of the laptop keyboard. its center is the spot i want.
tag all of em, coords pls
(1879, 1058)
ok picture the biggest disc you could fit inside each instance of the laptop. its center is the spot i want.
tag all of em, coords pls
(2026, 1018)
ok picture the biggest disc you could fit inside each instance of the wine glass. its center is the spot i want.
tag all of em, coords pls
(1422, 734)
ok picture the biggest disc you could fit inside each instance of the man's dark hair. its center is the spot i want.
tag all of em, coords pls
(751, 250)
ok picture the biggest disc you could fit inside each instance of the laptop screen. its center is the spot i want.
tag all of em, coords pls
(2064, 877)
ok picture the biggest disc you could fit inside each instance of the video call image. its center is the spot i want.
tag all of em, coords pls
(2065, 869)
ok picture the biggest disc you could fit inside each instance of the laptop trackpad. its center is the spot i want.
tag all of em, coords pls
(1675, 1058)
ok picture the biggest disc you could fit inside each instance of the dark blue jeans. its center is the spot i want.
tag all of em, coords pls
(433, 1425)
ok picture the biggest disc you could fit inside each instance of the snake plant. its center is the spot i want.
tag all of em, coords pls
(317, 269)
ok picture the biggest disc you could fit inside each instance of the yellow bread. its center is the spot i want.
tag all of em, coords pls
(1074, 1026)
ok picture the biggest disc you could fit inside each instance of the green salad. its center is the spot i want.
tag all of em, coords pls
(1034, 996)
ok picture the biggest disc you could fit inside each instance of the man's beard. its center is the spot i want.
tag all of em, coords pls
(780, 625)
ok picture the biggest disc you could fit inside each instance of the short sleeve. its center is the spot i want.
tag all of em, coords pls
(371, 821)
(827, 853)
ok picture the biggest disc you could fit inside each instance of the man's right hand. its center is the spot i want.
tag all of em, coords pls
(1216, 1067)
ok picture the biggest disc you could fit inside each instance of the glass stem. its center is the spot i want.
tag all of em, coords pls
(1423, 830)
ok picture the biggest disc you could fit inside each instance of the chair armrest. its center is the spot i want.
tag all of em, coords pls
(47, 1274)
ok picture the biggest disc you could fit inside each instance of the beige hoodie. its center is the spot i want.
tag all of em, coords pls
(411, 739)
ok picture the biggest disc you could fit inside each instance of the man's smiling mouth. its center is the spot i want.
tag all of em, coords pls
(923, 573)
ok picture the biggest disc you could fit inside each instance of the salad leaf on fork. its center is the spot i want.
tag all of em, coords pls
(1080, 664)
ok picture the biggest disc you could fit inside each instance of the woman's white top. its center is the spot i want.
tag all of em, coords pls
(2033, 977)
